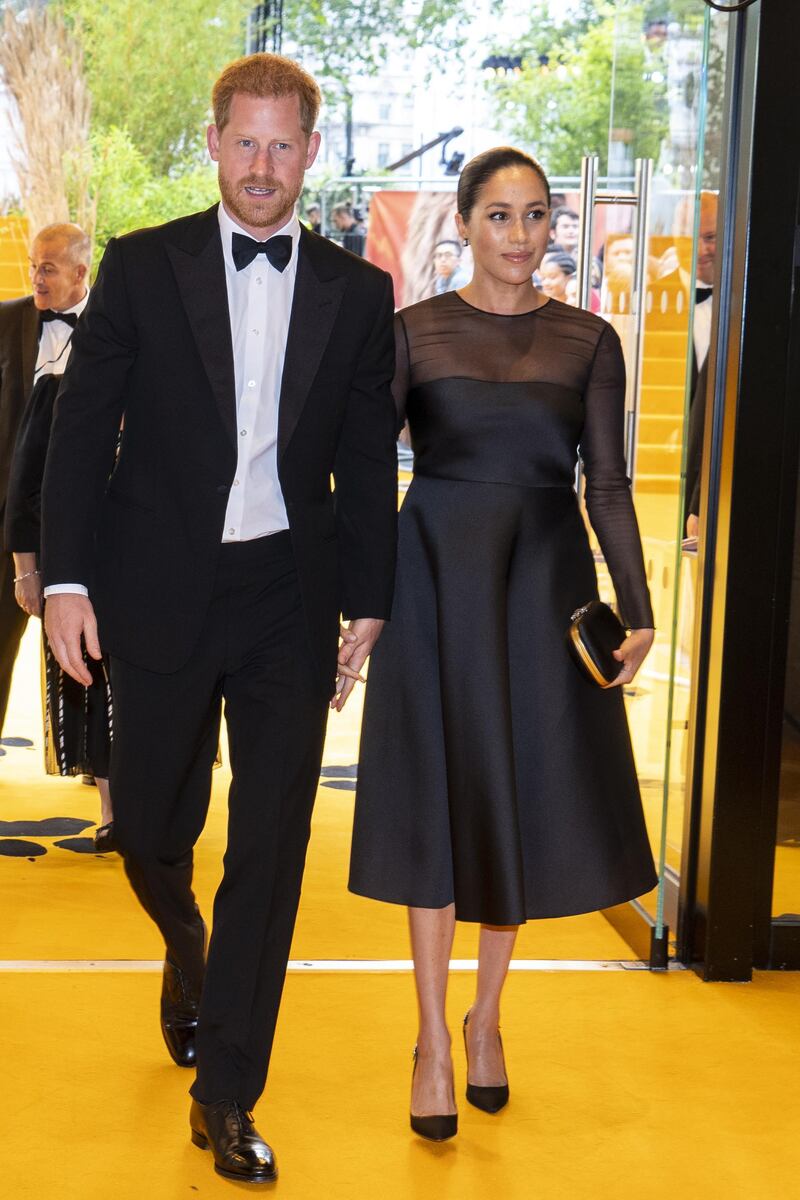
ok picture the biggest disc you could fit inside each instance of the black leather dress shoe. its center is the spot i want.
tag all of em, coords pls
(239, 1150)
(104, 839)
(179, 1006)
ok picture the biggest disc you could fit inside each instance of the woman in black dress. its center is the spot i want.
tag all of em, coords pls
(77, 720)
(496, 783)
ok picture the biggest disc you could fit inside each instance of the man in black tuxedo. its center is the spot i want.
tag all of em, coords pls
(251, 361)
(34, 339)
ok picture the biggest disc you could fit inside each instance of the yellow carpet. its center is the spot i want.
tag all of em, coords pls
(625, 1086)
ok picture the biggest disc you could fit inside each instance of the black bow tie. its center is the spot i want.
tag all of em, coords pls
(702, 293)
(278, 250)
(49, 314)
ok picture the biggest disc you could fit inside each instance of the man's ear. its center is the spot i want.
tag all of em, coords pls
(313, 148)
(212, 141)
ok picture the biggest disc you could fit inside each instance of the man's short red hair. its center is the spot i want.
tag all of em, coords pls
(267, 76)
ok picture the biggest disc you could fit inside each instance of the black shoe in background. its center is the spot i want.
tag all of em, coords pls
(179, 1008)
(104, 839)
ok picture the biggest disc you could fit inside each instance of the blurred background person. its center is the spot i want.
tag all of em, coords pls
(352, 230)
(680, 276)
(432, 220)
(564, 229)
(32, 330)
(571, 288)
(555, 271)
(77, 720)
(450, 275)
(314, 218)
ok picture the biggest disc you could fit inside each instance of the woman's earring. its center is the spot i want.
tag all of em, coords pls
(465, 241)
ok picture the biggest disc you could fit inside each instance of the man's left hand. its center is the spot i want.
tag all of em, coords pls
(358, 639)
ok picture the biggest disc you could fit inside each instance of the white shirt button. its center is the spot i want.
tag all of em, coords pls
(251, 383)
(255, 331)
(258, 279)
(236, 483)
(242, 433)
(231, 531)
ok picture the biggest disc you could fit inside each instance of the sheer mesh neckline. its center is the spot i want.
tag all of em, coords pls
(488, 312)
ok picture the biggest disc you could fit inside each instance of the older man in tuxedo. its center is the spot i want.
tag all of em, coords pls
(35, 333)
(251, 361)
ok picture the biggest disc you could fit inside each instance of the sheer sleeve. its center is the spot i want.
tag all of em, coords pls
(402, 370)
(608, 496)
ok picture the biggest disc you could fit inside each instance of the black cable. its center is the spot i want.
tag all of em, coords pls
(729, 8)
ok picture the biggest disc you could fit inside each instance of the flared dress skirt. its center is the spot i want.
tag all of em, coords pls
(492, 773)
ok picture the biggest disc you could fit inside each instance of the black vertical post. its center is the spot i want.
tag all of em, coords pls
(265, 27)
(747, 508)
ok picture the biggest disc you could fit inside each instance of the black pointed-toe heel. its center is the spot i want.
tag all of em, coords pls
(488, 1099)
(435, 1129)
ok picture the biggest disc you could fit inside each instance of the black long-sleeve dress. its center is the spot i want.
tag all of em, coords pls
(492, 773)
(77, 720)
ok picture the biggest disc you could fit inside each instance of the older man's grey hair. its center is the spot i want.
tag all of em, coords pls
(77, 243)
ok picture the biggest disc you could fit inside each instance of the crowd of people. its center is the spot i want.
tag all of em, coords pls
(167, 455)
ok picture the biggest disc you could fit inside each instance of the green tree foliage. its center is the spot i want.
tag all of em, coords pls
(130, 194)
(583, 82)
(150, 68)
(338, 39)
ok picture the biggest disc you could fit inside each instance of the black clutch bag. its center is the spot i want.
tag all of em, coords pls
(594, 633)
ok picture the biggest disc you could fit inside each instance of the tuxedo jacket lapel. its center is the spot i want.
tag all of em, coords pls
(200, 272)
(318, 293)
(30, 345)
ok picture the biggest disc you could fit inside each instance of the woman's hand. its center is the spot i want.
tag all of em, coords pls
(28, 592)
(632, 654)
(358, 639)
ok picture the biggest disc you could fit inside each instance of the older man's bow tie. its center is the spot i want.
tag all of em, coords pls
(278, 250)
(49, 314)
(702, 293)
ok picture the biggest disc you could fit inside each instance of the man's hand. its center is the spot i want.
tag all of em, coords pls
(692, 525)
(358, 639)
(66, 618)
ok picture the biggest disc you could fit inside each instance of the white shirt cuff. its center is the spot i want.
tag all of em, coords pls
(62, 589)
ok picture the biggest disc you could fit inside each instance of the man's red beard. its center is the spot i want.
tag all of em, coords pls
(259, 212)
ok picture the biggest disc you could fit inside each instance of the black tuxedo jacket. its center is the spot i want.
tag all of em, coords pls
(19, 340)
(154, 347)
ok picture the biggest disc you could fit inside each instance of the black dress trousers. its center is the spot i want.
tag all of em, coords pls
(253, 654)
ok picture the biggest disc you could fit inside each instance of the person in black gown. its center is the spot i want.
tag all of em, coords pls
(77, 720)
(496, 783)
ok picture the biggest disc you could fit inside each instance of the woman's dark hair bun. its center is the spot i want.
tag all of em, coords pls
(480, 169)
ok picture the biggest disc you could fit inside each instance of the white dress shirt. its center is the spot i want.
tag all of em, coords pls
(702, 326)
(54, 344)
(259, 305)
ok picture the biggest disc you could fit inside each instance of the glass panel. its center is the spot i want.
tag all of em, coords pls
(663, 64)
